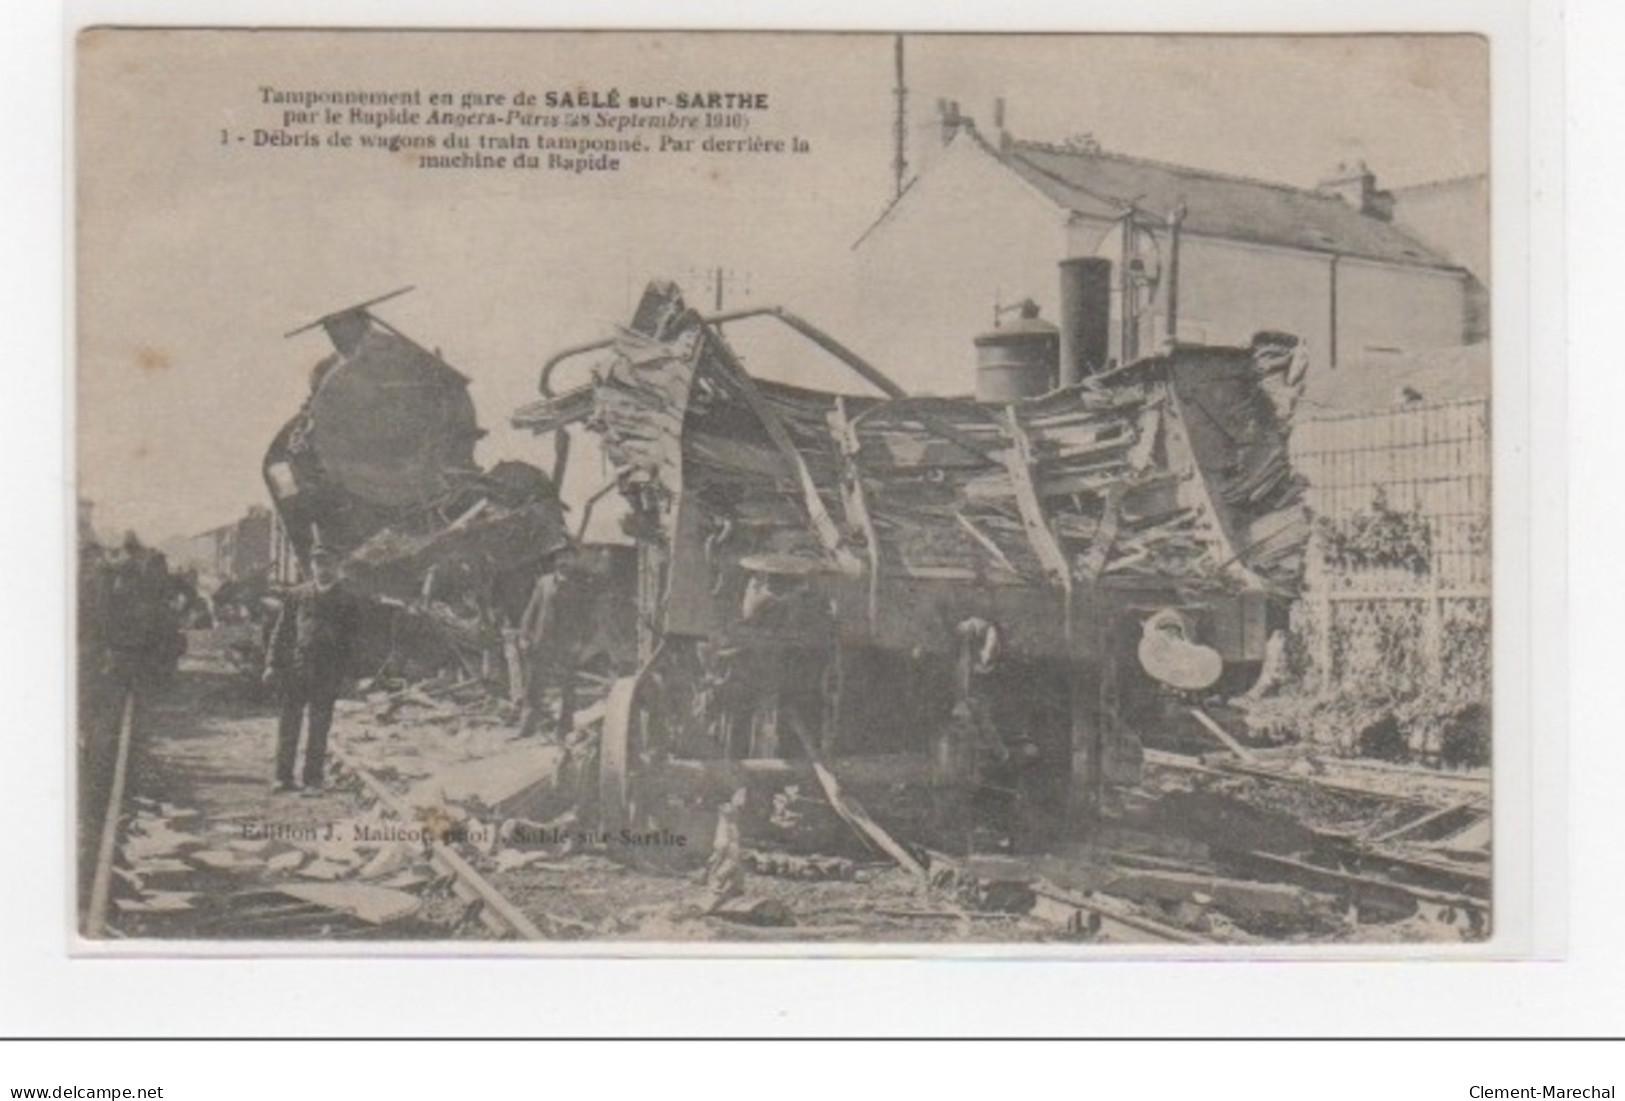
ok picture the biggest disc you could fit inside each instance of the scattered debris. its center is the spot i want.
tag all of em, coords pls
(285, 862)
(725, 871)
(769, 912)
(1239, 898)
(986, 883)
(524, 782)
(223, 860)
(157, 902)
(389, 860)
(322, 869)
(508, 859)
(153, 867)
(792, 866)
(406, 881)
(375, 905)
(146, 842)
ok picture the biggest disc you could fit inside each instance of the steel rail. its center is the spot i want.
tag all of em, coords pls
(498, 913)
(100, 887)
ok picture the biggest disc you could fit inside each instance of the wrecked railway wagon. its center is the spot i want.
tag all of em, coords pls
(973, 597)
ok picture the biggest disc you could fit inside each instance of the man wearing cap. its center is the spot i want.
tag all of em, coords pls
(309, 654)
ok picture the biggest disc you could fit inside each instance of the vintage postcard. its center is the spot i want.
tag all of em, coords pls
(643, 490)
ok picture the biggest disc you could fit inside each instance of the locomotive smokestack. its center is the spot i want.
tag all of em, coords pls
(1086, 307)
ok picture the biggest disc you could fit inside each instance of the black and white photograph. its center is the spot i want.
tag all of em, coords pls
(650, 491)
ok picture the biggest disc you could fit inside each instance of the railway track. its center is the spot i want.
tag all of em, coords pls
(112, 815)
(1062, 905)
(262, 911)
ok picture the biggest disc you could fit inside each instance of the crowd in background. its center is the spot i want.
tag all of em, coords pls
(132, 613)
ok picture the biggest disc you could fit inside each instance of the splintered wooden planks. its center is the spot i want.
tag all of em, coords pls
(641, 399)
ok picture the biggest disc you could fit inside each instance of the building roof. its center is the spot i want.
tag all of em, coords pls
(1101, 184)
(1468, 180)
(1386, 382)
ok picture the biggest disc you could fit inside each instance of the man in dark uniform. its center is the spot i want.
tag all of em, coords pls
(555, 633)
(310, 652)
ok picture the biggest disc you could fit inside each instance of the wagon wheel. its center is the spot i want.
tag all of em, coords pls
(615, 754)
(624, 740)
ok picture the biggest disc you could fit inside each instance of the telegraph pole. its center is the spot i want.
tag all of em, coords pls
(900, 122)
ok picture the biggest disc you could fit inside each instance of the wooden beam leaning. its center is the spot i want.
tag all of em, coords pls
(823, 524)
(1094, 562)
(850, 810)
(1018, 460)
(984, 541)
(1427, 819)
(503, 911)
(1219, 732)
(853, 498)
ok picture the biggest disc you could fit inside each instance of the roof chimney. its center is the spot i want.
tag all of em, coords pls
(1002, 135)
(1356, 185)
(950, 119)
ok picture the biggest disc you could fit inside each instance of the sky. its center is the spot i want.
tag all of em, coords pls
(194, 258)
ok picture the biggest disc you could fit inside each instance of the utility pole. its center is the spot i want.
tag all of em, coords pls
(900, 122)
(715, 282)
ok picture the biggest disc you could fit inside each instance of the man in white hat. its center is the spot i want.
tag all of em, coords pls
(310, 653)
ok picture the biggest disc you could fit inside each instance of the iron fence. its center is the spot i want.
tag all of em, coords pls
(1398, 576)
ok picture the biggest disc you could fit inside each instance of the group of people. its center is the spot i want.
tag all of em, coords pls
(133, 608)
(312, 647)
(132, 611)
